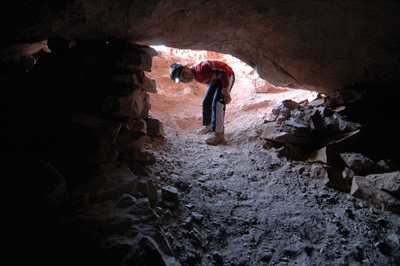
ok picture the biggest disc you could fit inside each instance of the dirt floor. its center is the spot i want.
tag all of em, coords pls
(242, 205)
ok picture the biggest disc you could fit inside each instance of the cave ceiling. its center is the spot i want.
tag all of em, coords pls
(317, 45)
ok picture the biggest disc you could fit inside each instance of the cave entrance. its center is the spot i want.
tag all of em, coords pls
(178, 105)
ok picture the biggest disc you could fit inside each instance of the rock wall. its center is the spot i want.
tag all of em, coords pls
(76, 190)
(320, 45)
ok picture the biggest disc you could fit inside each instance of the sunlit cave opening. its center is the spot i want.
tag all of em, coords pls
(179, 105)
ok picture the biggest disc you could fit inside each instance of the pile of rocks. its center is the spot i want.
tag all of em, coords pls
(318, 132)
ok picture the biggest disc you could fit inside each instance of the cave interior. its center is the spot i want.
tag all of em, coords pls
(323, 46)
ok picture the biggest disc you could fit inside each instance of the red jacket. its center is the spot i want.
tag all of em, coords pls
(208, 72)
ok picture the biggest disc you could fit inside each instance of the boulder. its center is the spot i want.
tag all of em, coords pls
(309, 116)
(143, 157)
(317, 171)
(290, 104)
(282, 110)
(319, 102)
(107, 186)
(389, 182)
(273, 132)
(169, 193)
(317, 120)
(348, 174)
(136, 79)
(283, 115)
(337, 125)
(262, 86)
(148, 189)
(136, 105)
(343, 97)
(134, 61)
(269, 144)
(351, 141)
(284, 137)
(334, 179)
(356, 161)
(296, 129)
(154, 127)
(331, 177)
(132, 135)
(364, 189)
(104, 130)
(326, 155)
(383, 166)
(149, 85)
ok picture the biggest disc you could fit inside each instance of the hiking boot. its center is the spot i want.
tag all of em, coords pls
(204, 130)
(216, 138)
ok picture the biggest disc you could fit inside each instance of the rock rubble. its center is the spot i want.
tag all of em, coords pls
(318, 133)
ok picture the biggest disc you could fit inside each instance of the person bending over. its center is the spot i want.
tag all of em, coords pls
(220, 78)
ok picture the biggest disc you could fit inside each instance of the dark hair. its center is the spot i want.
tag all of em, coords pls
(175, 72)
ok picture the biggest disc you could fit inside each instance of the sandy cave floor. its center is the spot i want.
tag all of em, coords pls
(242, 205)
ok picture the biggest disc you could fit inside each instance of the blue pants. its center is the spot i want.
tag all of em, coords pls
(214, 105)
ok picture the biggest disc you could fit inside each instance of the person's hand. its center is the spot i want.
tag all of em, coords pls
(227, 98)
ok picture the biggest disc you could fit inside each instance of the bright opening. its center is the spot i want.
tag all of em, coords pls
(178, 105)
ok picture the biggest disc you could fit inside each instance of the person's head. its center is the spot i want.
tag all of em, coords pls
(180, 73)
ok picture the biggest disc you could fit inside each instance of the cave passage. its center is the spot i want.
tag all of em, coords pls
(178, 105)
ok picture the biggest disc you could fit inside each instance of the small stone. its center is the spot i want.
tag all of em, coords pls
(197, 216)
(348, 174)
(218, 257)
(383, 222)
(169, 193)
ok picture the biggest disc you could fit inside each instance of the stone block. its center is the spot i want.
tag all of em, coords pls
(294, 128)
(317, 171)
(331, 176)
(104, 130)
(336, 124)
(276, 109)
(363, 189)
(147, 188)
(334, 179)
(276, 135)
(389, 182)
(348, 174)
(143, 157)
(149, 85)
(136, 105)
(317, 120)
(154, 127)
(283, 115)
(343, 97)
(169, 193)
(356, 161)
(105, 187)
(134, 60)
(132, 135)
(269, 145)
(317, 102)
(346, 142)
(132, 79)
(326, 155)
